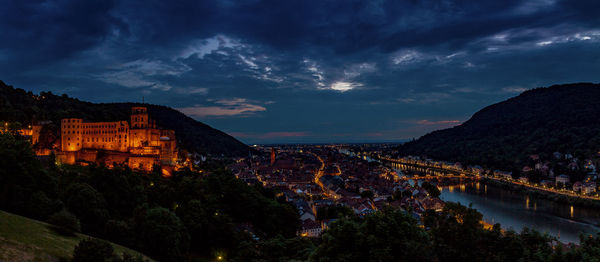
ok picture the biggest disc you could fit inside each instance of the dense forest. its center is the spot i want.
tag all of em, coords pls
(212, 216)
(560, 118)
(18, 105)
(167, 218)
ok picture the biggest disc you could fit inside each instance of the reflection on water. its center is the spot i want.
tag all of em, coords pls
(516, 211)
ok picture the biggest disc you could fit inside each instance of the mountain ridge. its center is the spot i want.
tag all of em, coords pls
(538, 121)
(18, 105)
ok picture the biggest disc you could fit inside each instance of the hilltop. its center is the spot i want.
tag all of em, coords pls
(560, 118)
(18, 105)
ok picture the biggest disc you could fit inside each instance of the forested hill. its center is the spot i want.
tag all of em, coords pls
(563, 118)
(25, 107)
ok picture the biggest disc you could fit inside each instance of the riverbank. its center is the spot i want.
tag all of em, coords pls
(541, 194)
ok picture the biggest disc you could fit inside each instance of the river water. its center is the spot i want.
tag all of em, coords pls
(516, 211)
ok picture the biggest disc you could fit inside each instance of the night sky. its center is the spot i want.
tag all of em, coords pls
(302, 71)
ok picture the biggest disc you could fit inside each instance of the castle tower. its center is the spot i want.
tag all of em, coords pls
(138, 130)
(71, 134)
(139, 118)
(273, 156)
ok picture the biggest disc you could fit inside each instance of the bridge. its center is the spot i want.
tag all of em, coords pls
(430, 171)
(427, 177)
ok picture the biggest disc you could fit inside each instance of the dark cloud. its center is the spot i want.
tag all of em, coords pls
(37, 32)
(302, 70)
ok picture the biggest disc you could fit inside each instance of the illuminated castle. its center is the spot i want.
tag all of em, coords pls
(140, 145)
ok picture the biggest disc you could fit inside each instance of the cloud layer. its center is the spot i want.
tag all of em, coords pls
(328, 70)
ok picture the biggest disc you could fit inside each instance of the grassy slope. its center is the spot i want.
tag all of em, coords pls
(24, 239)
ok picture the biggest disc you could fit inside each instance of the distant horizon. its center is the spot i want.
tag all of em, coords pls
(329, 143)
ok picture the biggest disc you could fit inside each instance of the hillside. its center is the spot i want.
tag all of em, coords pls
(563, 118)
(24, 239)
(26, 107)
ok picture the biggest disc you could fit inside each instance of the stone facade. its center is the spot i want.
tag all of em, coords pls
(138, 144)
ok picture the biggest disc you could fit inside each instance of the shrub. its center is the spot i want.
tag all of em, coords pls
(65, 222)
(92, 250)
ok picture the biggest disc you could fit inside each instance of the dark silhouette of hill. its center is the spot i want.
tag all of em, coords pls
(18, 105)
(563, 118)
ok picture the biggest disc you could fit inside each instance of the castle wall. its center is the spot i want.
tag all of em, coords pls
(145, 137)
(71, 134)
(145, 163)
(66, 157)
(140, 145)
(168, 147)
(106, 135)
(36, 130)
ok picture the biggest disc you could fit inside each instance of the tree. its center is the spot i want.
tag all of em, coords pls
(92, 250)
(21, 175)
(88, 205)
(431, 189)
(334, 212)
(367, 194)
(387, 235)
(65, 222)
(40, 206)
(162, 235)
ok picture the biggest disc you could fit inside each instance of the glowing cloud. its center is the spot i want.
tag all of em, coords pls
(224, 108)
(440, 122)
(343, 86)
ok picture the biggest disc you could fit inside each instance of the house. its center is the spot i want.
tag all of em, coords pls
(433, 203)
(589, 165)
(503, 174)
(538, 166)
(523, 179)
(591, 177)
(304, 210)
(310, 228)
(589, 187)
(546, 183)
(477, 170)
(573, 166)
(557, 155)
(577, 186)
(325, 224)
(564, 179)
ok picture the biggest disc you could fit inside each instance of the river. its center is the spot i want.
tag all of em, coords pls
(516, 211)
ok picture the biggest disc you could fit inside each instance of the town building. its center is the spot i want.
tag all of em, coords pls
(564, 179)
(577, 186)
(589, 187)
